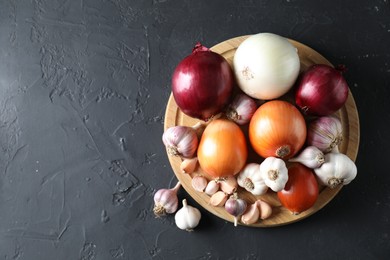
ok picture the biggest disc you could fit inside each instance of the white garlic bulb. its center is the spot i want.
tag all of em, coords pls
(338, 169)
(274, 172)
(188, 217)
(250, 179)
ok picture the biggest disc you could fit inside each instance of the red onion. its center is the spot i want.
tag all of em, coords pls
(202, 83)
(322, 90)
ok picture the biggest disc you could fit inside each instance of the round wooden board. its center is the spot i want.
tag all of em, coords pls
(280, 216)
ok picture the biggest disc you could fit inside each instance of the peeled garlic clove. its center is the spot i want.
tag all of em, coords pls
(180, 141)
(311, 157)
(241, 109)
(228, 185)
(166, 201)
(218, 199)
(211, 188)
(199, 183)
(188, 166)
(265, 209)
(188, 217)
(251, 214)
(235, 207)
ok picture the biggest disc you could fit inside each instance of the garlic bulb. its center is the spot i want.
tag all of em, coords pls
(241, 109)
(236, 207)
(274, 172)
(188, 217)
(338, 169)
(166, 201)
(181, 141)
(325, 133)
(311, 157)
(250, 179)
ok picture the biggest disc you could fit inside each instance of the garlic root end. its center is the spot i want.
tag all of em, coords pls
(159, 210)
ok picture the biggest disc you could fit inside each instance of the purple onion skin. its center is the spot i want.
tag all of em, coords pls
(202, 83)
(321, 91)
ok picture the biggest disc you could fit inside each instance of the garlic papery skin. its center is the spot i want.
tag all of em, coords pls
(211, 188)
(251, 215)
(235, 207)
(188, 217)
(181, 141)
(250, 179)
(274, 172)
(338, 169)
(311, 157)
(325, 133)
(241, 109)
(166, 201)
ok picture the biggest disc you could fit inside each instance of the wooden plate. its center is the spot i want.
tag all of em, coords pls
(280, 216)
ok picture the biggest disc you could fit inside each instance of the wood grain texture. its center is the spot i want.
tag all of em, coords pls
(280, 216)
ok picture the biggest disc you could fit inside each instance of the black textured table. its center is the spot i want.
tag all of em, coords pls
(83, 91)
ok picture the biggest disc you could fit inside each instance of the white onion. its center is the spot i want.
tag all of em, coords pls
(266, 66)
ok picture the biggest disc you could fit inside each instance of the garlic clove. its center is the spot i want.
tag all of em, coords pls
(228, 185)
(180, 141)
(188, 166)
(251, 214)
(265, 209)
(199, 183)
(311, 157)
(211, 188)
(166, 201)
(188, 217)
(218, 199)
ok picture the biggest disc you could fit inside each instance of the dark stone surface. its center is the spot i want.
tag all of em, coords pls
(83, 90)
